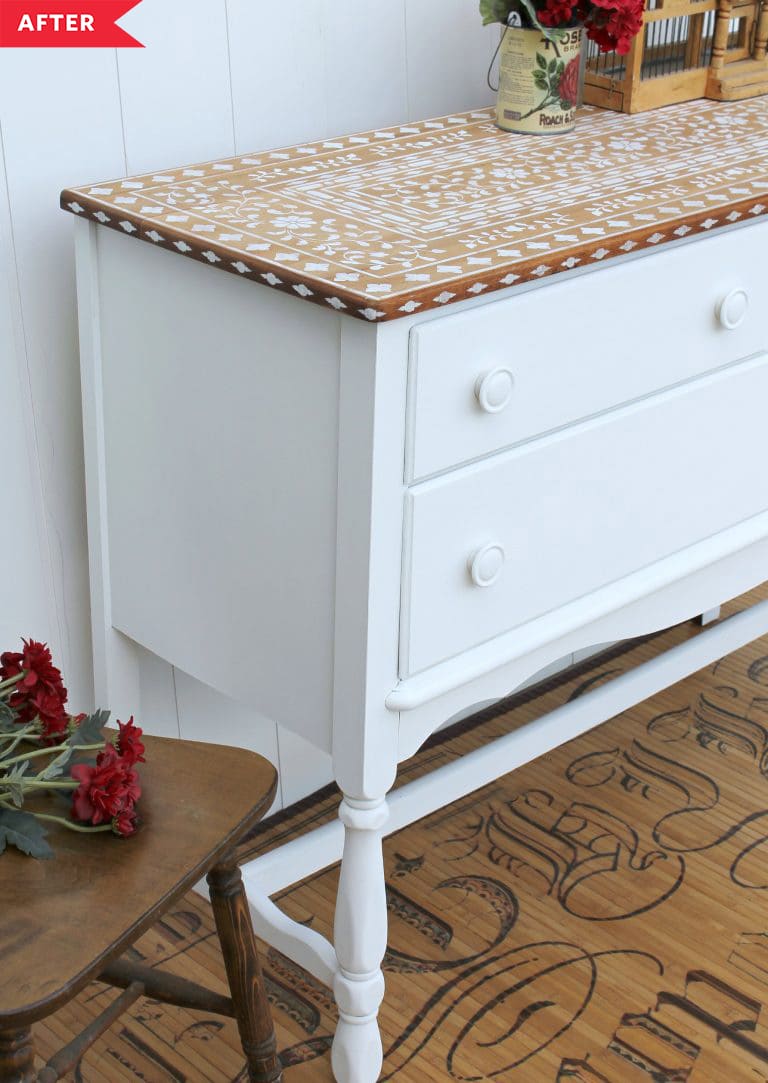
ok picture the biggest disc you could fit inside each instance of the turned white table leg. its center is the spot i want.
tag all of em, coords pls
(360, 936)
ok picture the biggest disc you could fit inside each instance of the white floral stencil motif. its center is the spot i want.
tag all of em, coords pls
(383, 224)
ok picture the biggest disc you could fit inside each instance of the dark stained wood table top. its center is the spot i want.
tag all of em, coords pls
(61, 919)
(389, 223)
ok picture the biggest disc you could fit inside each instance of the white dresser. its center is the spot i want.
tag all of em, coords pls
(514, 407)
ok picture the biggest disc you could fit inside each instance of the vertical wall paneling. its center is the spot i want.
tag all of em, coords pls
(52, 139)
(205, 715)
(278, 73)
(27, 592)
(175, 93)
(449, 51)
(365, 64)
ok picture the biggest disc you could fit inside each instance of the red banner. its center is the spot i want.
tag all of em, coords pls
(48, 24)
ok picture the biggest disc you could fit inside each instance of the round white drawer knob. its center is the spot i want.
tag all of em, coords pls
(494, 390)
(486, 565)
(732, 310)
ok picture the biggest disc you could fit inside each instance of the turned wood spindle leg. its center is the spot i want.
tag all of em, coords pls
(241, 959)
(721, 34)
(360, 935)
(761, 33)
(17, 1056)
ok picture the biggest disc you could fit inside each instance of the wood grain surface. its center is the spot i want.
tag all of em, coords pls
(62, 919)
(391, 222)
(597, 916)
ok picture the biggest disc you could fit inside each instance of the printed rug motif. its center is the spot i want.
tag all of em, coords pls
(597, 916)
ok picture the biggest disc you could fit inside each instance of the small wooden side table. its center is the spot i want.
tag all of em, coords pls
(68, 921)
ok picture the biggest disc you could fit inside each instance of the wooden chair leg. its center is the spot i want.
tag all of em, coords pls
(254, 1017)
(17, 1056)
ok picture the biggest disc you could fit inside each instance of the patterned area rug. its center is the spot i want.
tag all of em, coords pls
(597, 916)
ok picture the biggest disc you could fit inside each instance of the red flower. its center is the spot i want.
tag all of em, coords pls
(569, 82)
(36, 664)
(124, 823)
(10, 664)
(47, 706)
(612, 24)
(129, 743)
(40, 692)
(107, 791)
(556, 13)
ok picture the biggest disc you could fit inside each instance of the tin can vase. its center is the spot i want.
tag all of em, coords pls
(539, 80)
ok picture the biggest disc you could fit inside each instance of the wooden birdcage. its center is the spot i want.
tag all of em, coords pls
(687, 49)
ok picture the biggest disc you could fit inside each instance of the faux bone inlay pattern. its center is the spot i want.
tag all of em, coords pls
(388, 223)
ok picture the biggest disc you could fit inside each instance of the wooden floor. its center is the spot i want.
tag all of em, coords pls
(599, 915)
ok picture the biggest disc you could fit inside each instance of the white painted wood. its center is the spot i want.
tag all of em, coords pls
(300, 943)
(583, 616)
(364, 49)
(561, 365)
(165, 118)
(251, 509)
(710, 616)
(360, 940)
(215, 552)
(175, 93)
(372, 401)
(551, 670)
(449, 51)
(157, 690)
(279, 89)
(43, 116)
(303, 768)
(27, 607)
(539, 677)
(206, 715)
(273, 871)
(590, 652)
(369, 554)
(717, 571)
(278, 73)
(116, 677)
(590, 492)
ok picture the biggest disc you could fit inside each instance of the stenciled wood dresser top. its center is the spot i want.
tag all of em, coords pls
(393, 222)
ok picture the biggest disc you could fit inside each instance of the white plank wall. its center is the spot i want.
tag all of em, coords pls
(27, 592)
(217, 77)
(53, 104)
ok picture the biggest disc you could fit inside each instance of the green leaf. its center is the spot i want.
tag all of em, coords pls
(495, 11)
(7, 720)
(541, 61)
(540, 80)
(56, 766)
(11, 783)
(89, 730)
(552, 66)
(22, 830)
(565, 106)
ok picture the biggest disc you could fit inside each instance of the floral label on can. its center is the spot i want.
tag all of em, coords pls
(538, 80)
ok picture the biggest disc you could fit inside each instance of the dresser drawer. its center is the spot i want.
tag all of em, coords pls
(515, 536)
(484, 380)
